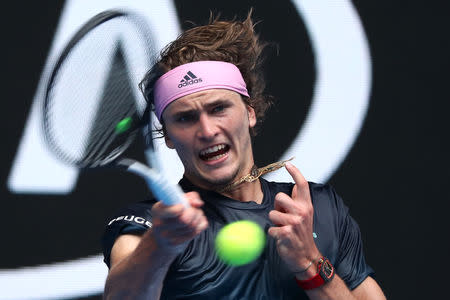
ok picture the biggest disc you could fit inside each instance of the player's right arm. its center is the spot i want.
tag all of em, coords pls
(139, 264)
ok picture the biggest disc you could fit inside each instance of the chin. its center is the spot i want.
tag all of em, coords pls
(219, 180)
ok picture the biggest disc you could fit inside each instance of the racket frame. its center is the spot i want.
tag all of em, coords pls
(162, 189)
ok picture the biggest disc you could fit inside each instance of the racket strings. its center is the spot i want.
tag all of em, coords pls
(116, 105)
(93, 89)
(105, 140)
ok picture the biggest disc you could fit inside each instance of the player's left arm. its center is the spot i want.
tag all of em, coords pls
(295, 243)
(368, 290)
(337, 289)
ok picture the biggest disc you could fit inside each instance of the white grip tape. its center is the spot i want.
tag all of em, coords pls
(162, 189)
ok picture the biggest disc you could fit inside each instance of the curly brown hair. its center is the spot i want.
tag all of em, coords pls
(230, 41)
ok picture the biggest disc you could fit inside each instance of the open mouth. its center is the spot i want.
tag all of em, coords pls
(214, 152)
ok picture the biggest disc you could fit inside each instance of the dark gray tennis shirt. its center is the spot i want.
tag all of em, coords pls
(198, 274)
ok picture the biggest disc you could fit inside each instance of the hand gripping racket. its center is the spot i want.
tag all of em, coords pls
(93, 110)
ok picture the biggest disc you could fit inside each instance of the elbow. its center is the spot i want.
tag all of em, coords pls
(112, 290)
(107, 292)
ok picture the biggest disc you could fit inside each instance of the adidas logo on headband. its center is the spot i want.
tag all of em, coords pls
(217, 75)
(188, 79)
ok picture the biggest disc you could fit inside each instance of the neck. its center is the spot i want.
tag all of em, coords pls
(245, 192)
(247, 188)
(245, 182)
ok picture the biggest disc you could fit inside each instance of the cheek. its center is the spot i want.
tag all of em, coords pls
(181, 144)
(184, 154)
(175, 138)
(168, 141)
(242, 128)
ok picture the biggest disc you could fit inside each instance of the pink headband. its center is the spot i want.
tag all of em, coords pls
(194, 77)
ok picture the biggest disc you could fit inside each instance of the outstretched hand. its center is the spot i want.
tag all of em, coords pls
(293, 216)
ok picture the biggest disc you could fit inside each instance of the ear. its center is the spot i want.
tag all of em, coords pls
(168, 141)
(251, 116)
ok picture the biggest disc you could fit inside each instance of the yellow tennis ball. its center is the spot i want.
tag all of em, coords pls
(240, 242)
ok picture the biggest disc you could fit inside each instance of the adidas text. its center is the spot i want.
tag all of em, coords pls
(197, 80)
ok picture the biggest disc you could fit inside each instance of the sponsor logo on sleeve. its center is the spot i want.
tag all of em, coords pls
(131, 219)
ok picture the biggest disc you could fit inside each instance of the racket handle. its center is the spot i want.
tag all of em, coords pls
(162, 189)
(152, 159)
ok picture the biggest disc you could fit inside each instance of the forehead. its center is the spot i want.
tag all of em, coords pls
(199, 99)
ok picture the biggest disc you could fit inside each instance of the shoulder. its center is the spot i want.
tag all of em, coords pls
(277, 187)
(324, 195)
(133, 219)
(133, 213)
(320, 192)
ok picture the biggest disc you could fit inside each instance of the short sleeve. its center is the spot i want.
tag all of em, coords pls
(350, 265)
(133, 219)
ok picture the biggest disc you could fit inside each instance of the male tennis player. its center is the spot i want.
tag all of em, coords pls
(207, 91)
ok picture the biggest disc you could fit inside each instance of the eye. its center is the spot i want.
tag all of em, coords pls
(185, 117)
(219, 108)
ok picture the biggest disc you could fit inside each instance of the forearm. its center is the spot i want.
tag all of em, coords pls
(141, 274)
(320, 281)
(336, 289)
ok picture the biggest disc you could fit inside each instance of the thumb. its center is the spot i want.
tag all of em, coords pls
(193, 199)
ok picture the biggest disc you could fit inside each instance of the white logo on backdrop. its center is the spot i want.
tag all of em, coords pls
(35, 170)
(337, 112)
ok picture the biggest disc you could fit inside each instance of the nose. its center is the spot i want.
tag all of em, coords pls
(207, 130)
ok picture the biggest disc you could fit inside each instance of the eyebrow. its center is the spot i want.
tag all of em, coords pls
(216, 102)
(207, 106)
(183, 113)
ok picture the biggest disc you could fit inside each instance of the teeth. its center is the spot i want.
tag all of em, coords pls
(212, 149)
(215, 157)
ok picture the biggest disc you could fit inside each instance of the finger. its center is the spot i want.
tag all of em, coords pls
(175, 231)
(301, 190)
(295, 173)
(174, 211)
(199, 226)
(175, 227)
(187, 235)
(194, 199)
(179, 232)
(279, 233)
(273, 232)
(192, 216)
(277, 205)
(284, 203)
(202, 225)
(283, 219)
(276, 218)
(161, 210)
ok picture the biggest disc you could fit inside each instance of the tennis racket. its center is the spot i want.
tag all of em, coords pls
(92, 110)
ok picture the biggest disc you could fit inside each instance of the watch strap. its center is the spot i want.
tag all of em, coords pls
(325, 272)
